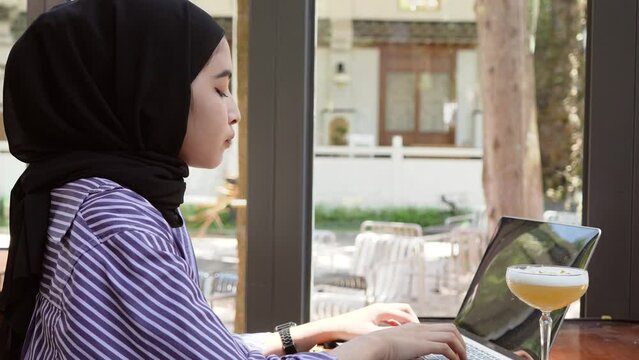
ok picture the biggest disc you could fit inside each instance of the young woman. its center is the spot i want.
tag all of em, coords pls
(109, 102)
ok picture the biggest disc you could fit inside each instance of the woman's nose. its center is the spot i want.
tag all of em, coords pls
(234, 114)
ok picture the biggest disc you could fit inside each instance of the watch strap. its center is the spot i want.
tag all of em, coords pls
(285, 335)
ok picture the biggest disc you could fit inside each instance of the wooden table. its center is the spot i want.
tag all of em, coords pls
(594, 339)
(590, 339)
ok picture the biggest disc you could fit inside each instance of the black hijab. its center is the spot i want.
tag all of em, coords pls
(96, 88)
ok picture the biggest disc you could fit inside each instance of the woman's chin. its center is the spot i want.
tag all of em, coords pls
(205, 163)
(212, 164)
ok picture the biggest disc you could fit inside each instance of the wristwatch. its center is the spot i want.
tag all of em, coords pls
(285, 335)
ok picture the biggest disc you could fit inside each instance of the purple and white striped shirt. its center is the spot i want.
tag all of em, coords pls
(119, 283)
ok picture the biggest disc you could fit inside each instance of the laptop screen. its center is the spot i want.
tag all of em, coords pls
(490, 310)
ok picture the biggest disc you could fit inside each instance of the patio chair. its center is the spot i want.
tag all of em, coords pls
(354, 279)
(324, 238)
(327, 304)
(218, 285)
(385, 268)
(219, 290)
(467, 249)
(386, 227)
(210, 213)
(472, 231)
(328, 257)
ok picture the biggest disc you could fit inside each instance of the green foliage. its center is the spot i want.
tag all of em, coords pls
(340, 217)
(351, 218)
(343, 218)
(338, 136)
(560, 86)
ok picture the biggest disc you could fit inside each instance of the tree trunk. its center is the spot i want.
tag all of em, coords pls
(560, 80)
(241, 41)
(512, 167)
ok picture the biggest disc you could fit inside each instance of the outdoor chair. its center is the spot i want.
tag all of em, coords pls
(395, 268)
(467, 236)
(467, 249)
(470, 233)
(324, 238)
(218, 285)
(386, 227)
(354, 279)
(210, 213)
(328, 256)
(219, 290)
(385, 268)
(327, 304)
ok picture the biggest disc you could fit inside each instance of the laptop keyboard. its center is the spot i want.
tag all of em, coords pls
(474, 351)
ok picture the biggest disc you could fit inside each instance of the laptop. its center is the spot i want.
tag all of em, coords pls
(492, 320)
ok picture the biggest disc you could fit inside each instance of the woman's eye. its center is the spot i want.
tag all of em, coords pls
(221, 93)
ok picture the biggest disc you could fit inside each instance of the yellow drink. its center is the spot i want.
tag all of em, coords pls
(547, 298)
(547, 288)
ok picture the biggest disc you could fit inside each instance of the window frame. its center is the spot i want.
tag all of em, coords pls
(280, 151)
(611, 201)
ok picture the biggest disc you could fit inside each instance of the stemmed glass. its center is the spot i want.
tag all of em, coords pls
(546, 288)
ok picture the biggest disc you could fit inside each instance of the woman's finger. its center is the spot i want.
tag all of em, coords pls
(392, 322)
(407, 309)
(441, 349)
(445, 328)
(451, 340)
(395, 314)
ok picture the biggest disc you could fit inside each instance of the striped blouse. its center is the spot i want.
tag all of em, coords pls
(119, 283)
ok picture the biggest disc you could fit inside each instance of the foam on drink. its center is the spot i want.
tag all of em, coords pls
(549, 276)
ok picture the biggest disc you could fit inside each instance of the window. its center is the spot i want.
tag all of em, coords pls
(418, 94)
(402, 200)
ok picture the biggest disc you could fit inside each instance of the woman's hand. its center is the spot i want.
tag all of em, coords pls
(343, 327)
(369, 319)
(405, 342)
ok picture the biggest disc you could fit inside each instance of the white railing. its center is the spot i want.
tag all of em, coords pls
(383, 176)
(399, 152)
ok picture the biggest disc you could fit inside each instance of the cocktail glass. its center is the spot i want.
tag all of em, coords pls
(546, 288)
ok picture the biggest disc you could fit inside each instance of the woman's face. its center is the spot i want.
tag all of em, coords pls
(212, 112)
